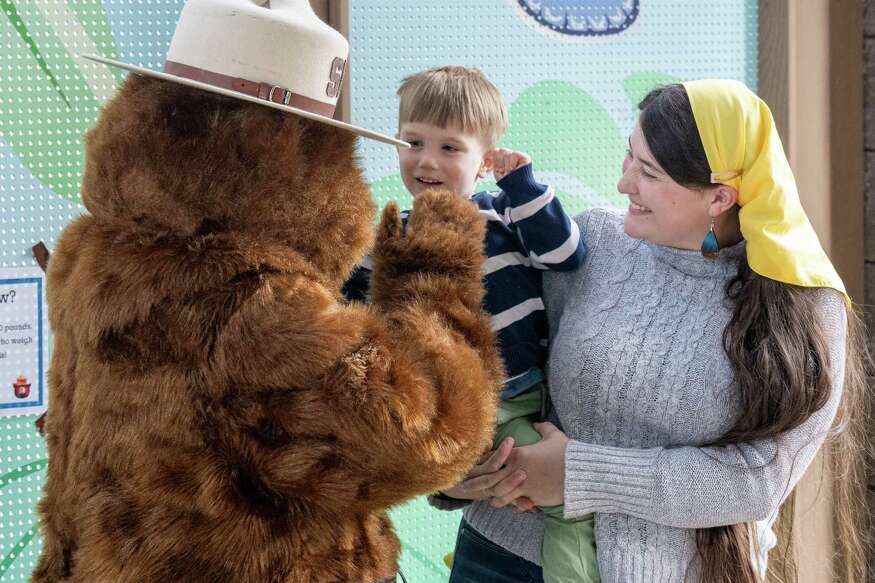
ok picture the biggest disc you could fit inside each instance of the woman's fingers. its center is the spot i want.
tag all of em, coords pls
(509, 485)
(545, 429)
(484, 486)
(508, 490)
(489, 471)
(523, 504)
(494, 460)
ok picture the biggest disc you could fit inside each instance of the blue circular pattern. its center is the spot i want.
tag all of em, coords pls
(583, 17)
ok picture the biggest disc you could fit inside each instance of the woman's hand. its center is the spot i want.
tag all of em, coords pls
(490, 477)
(544, 465)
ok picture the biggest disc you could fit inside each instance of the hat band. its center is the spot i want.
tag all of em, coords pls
(265, 91)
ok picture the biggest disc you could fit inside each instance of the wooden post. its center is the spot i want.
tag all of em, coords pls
(320, 7)
(810, 74)
(774, 30)
(336, 14)
(846, 141)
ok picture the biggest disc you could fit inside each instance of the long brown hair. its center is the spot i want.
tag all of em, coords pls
(776, 346)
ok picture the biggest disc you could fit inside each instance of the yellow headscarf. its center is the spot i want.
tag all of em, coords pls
(745, 152)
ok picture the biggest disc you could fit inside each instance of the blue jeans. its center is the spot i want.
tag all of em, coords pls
(479, 560)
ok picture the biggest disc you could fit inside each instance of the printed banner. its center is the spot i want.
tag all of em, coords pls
(23, 341)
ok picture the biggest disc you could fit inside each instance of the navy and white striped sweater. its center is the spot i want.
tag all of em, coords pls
(527, 233)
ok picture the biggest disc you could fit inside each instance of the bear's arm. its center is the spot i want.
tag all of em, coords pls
(361, 407)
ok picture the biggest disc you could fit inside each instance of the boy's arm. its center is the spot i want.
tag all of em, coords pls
(549, 236)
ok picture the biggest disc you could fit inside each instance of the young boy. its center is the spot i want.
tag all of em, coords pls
(453, 117)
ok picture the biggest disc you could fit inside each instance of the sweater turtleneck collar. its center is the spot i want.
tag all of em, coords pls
(695, 264)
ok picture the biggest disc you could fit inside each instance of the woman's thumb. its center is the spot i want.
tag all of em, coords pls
(545, 429)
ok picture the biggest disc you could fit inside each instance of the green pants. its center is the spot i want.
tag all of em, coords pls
(568, 552)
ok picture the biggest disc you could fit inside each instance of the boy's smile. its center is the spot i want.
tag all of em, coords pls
(441, 158)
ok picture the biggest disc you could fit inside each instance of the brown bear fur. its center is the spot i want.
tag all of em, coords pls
(218, 413)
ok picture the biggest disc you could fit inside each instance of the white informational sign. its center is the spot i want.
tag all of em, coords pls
(23, 341)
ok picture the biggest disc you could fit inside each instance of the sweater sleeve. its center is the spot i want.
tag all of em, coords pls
(700, 487)
(549, 236)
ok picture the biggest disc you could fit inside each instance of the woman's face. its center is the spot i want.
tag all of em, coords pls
(660, 210)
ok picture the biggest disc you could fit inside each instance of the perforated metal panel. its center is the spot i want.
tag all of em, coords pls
(572, 100)
(571, 85)
(48, 98)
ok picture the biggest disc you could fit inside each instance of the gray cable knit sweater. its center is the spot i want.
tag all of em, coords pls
(639, 381)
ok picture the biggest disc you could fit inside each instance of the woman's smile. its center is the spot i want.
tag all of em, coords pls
(637, 209)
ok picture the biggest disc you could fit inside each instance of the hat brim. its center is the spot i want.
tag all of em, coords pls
(237, 95)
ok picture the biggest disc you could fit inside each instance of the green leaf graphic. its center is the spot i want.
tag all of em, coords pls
(22, 472)
(440, 569)
(18, 548)
(638, 85)
(391, 188)
(45, 127)
(21, 28)
(567, 131)
(93, 19)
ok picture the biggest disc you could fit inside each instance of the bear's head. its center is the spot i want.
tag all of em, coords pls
(170, 160)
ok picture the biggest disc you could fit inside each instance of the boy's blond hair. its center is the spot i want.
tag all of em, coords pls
(453, 94)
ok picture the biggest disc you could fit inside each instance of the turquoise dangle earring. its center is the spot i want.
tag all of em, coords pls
(710, 247)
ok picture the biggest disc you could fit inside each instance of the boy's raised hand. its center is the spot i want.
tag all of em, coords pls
(504, 161)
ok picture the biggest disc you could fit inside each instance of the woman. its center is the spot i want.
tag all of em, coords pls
(693, 387)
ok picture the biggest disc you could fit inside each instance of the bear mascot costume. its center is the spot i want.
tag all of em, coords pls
(219, 413)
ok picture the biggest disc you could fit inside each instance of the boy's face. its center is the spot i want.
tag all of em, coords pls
(441, 158)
